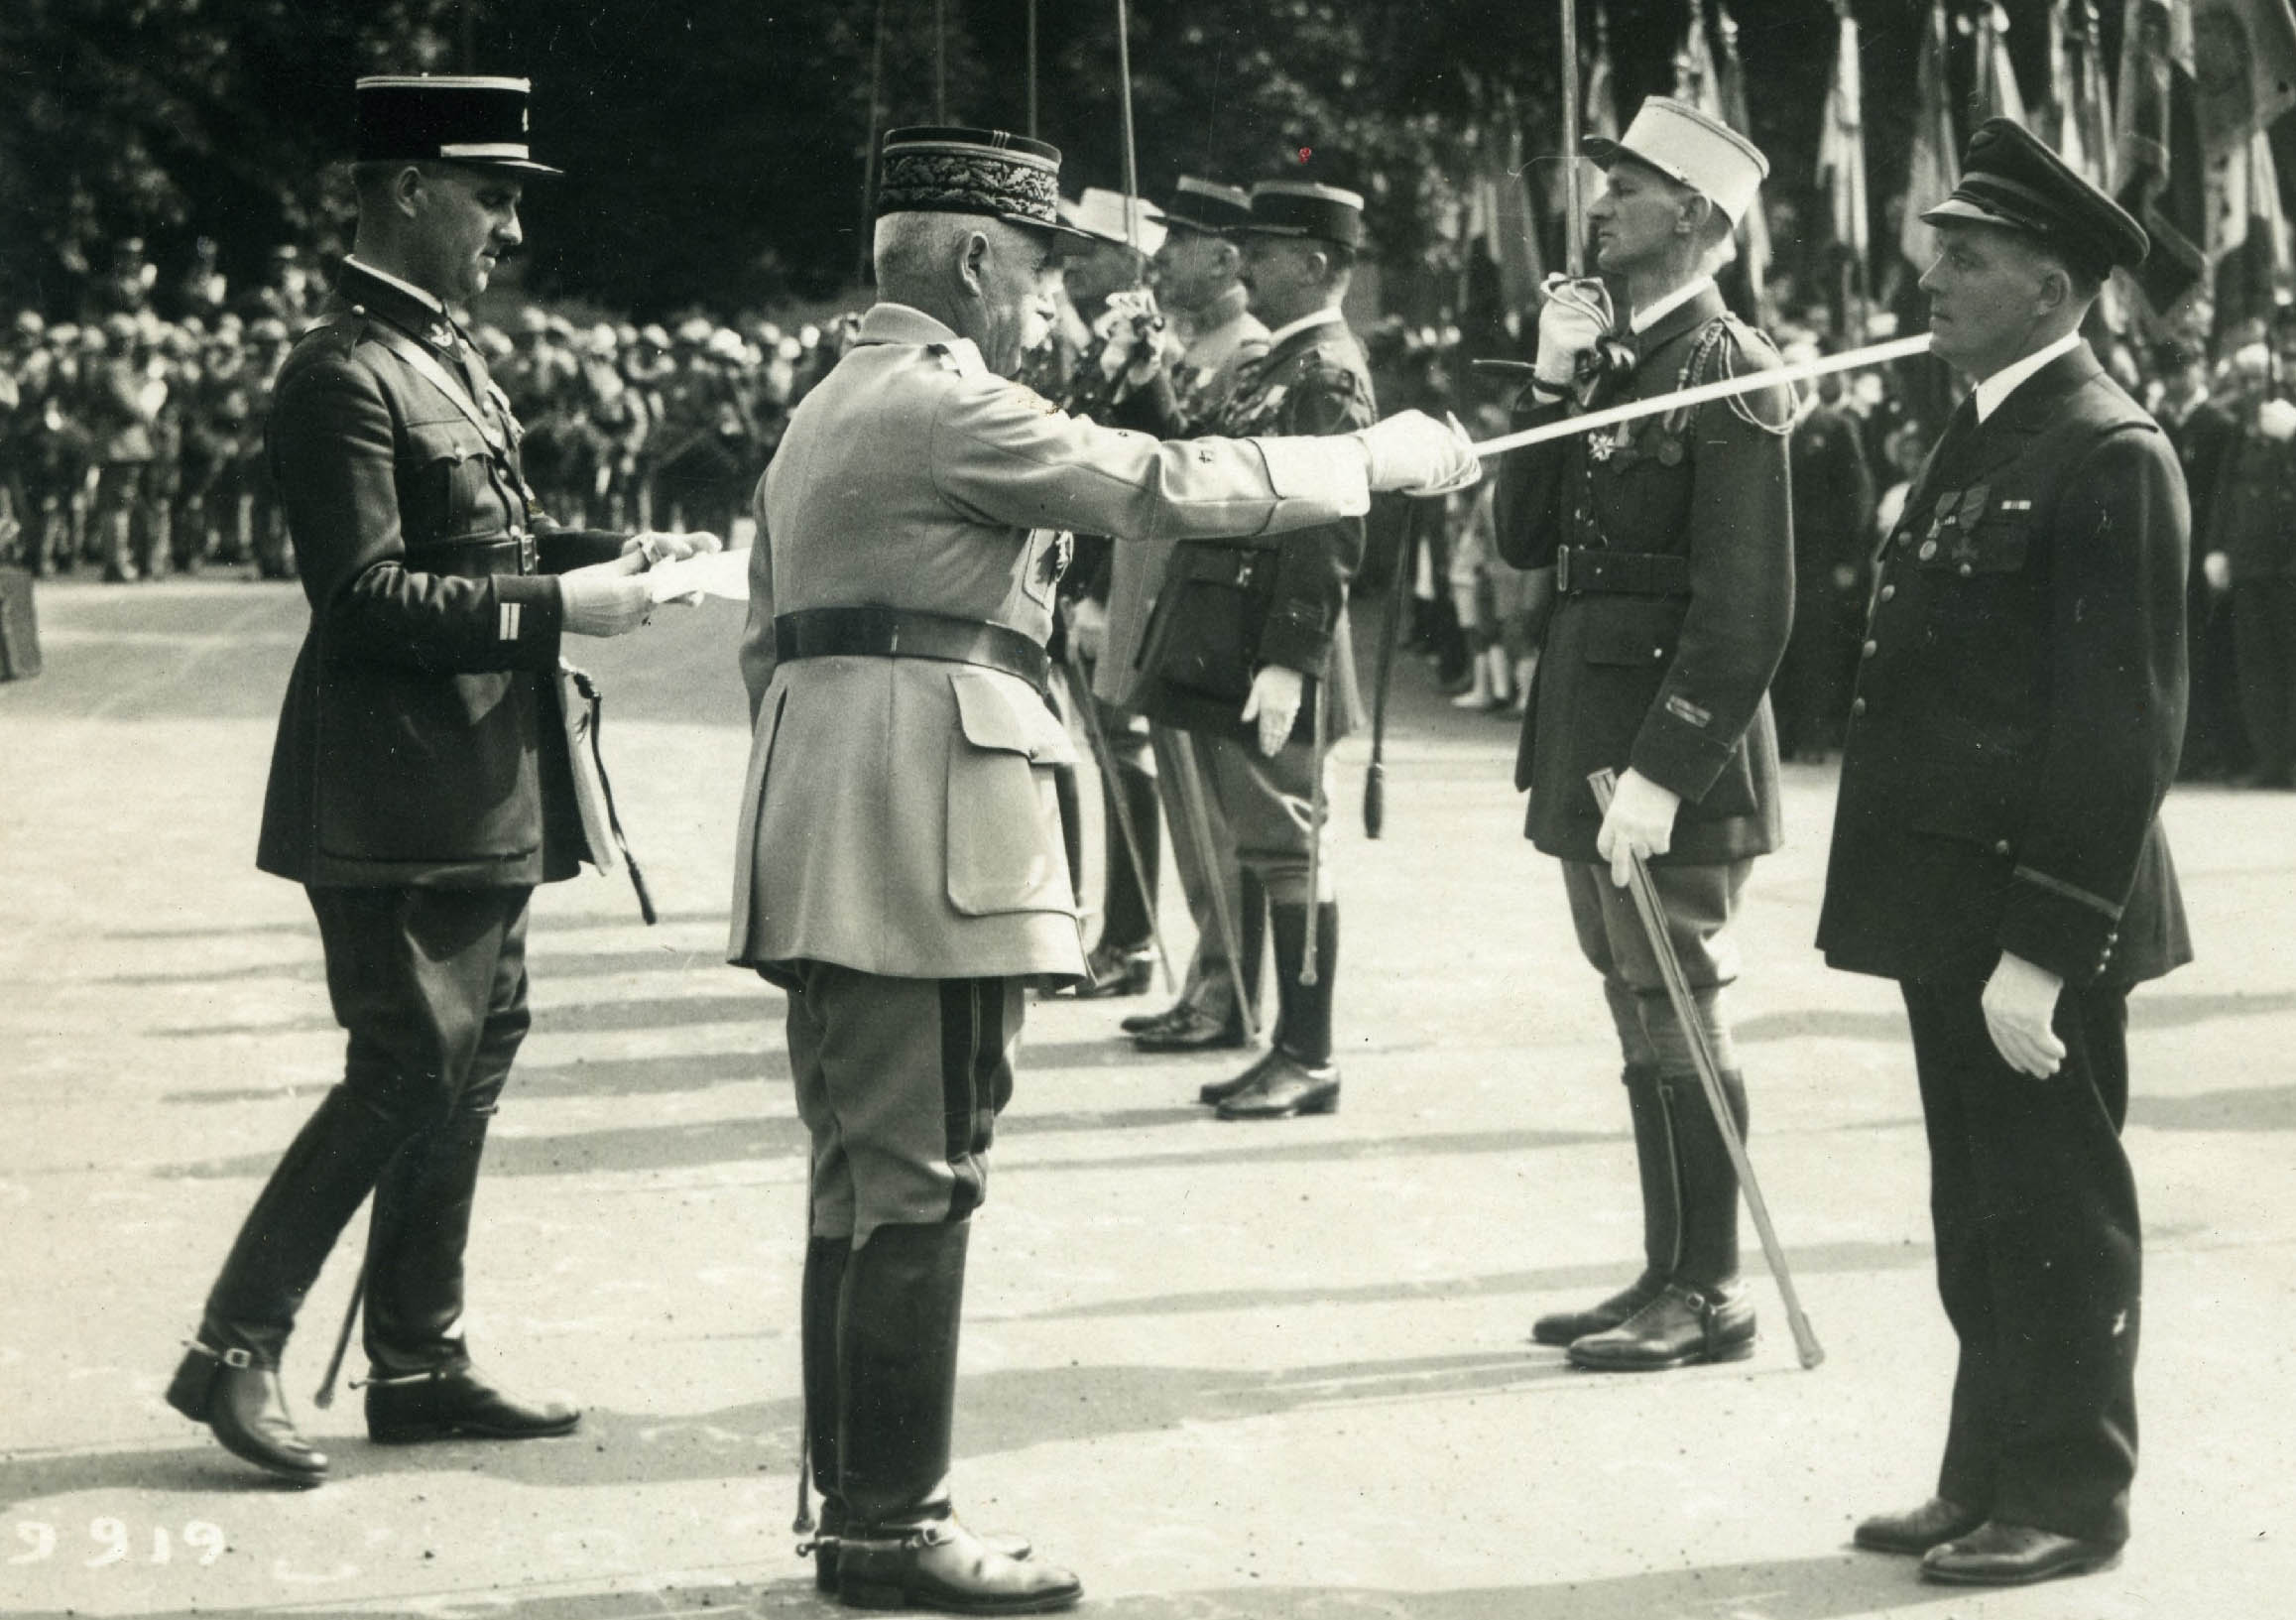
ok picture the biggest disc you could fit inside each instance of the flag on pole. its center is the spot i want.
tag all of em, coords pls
(1936, 166)
(2158, 157)
(2255, 260)
(2244, 69)
(1842, 171)
(1754, 230)
(1997, 95)
(1600, 108)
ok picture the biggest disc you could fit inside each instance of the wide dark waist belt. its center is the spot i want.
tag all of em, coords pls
(892, 632)
(1581, 571)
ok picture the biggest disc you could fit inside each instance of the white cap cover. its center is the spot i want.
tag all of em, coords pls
(1684, 143)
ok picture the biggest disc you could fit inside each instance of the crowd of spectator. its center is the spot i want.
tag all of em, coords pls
(131, 443)
(131, 438)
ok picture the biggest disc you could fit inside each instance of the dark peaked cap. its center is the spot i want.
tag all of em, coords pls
(461, 118)
(2010, 178)
(1207, 205)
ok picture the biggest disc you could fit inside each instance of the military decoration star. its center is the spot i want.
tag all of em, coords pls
(1600, 445)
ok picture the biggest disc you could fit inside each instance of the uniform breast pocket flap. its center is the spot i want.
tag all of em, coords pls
(1005, 849)
(446, 467)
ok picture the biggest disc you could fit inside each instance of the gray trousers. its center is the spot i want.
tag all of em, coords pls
(1700, 902)
(899, 1082)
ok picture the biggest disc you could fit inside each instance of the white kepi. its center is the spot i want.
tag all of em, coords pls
(1684, 143)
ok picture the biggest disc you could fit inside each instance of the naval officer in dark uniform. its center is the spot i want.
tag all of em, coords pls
(421, 785)
(1667, 548)
(1997, 851)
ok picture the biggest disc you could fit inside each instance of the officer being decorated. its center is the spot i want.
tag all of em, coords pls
(899, 869)
(422, 784)
(1665, 549)
(1997, 851)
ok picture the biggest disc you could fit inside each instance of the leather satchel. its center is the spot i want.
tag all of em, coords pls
(1202, 645)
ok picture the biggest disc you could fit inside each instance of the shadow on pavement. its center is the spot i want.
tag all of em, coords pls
(1831, 1587)
(727, 1141)
(996, 1413)
(2248, 1108)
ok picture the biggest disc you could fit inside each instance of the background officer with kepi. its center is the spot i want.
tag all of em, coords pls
(899, 869)
(1995, 851)
(1666, 548)
(421, 785)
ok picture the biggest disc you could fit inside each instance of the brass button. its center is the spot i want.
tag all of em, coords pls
(1889, 591)
(1858, 706)
(1870, 649)
(1967, 570)
(2002, 848)
(1657, 652)
(1928, 550)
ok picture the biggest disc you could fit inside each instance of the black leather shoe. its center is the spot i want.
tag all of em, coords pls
(1285, 1087)
(1681, 1325)
(1142, 1023)
(1123, 971)
(244, 1405)
(457, 1402)
(823, 1548)
(2003, 1555)
(944, 1566)
(1933, 1524)
(1193, 1031)
(1564, 1328)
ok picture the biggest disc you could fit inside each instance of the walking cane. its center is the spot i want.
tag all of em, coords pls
(1710, 1079)
(1191, 784)
(1391, 619)
(1097, 736)
(326, 1392)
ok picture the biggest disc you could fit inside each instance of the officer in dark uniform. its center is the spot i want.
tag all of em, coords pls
(421, 787)
(1265, 777)
(1997, 851)
(1667, 548)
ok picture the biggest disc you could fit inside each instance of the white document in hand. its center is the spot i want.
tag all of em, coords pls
(712, 574)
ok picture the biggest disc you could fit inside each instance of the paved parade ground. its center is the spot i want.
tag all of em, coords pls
(1249, 1370)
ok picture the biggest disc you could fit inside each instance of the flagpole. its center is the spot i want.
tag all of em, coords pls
(1574, 249)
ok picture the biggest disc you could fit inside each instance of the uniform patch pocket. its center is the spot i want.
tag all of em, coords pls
(450, 480)
(1005, 849)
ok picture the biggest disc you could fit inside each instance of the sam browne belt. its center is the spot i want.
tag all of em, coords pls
(892, 632)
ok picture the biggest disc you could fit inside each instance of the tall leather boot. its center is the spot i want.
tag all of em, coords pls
(897, 1342)
(1124, 960)
(229, 1379)
(825, 1260)
(419, 1383)
(1661, 1219)
(1297, 1076)
(1704, 1312)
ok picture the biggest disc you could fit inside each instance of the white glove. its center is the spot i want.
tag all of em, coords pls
(661, 548)
(1571, 324)
(2276, 420)
(1413, 453)
(1122, 349)
(1274, 703)
(606, 598)
(2216, 569)
(1088, 629)
(2019, 1000)
(1639, 821)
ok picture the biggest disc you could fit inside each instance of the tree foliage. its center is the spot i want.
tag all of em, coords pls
(716, 149)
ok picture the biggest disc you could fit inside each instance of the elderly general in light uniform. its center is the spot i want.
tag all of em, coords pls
(899, 869)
